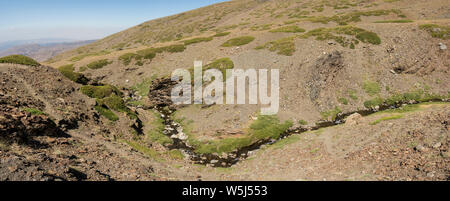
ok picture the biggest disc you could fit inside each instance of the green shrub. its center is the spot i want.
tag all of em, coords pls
(222, 34)
(34, 111)
(68, 71)
(369, 37)
(156, 132)
(373, 102)
(343, 101)
(19, 59)
(302, 122)
(221, 64)
(371, 88)
(99, 64)
(116, 103)
(238, 41)
(335, 34)
(284, 46)
(128, 57)
(288, 29)
(100, 92)
(437, 31)
(265, 127)
(106, 113)
(148, 53)
(197, 40)
(172, 48)
(394, 21)
(386, 119)
(331, 114)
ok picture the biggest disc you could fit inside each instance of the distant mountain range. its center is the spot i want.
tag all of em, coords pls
(40, 49)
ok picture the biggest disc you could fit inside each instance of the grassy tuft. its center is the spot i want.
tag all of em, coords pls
(197, 40)
(100, 92)
(331, 114)
(265, 127)
(222, 34)
(386, 119)
(284, 46)
(156, 132)
(238, 41)
(394, 21)
(99, 64)
(288, 29)
(68, 71)
(371, 88)
(437, 31)
(19, 59)
(128, 57)
(104, 111)
(34, 111)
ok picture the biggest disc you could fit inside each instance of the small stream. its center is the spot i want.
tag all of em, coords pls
(175, 131)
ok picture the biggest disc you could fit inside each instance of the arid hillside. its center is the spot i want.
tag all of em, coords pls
(379, 66)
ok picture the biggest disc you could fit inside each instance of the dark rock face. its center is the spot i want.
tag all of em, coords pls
(324, 72)
(21, 125)
(160, 92)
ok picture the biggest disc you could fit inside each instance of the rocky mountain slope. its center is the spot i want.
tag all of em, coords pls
(374, 57)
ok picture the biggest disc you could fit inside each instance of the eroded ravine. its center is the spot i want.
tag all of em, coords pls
(159, 95)
(175, 131)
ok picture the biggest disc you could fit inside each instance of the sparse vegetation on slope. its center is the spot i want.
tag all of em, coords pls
(344, 19)
(243, 40)
(340, 35)
(265, 127)
(288, 29)
(68, 71)
(437, 31)
(284, 46)
(19, 59)
(99, 64)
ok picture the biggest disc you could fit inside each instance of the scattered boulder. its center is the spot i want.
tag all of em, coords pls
(353, 119)
(442, 46)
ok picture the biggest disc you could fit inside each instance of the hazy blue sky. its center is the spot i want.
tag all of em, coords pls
(82, 19)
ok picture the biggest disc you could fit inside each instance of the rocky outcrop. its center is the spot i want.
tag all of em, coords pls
(324, 72)
(20, 125)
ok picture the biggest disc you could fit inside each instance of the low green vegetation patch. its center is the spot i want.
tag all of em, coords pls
(288, 29)
(265, 127)
(104, 111)
(394, 21)
(221, 64)
(343, 101)
(222, 34)
(99, 64)
(417, 96)
(342, 35)
(331, 114)
(284, 46)
(437, 31)
(371, 88)
(100, 92)
(156, 132)
(108, 98)
(129, 57)
(68, 71)
(34, 111)
(302, 122)
(143, 87)
(238, 41)
(19, 59)
(385, 119)
(197, 40)
(145, 150)
(344, 19)
(287, 141)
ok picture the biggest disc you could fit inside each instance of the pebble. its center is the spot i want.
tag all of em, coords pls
(442, 46)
